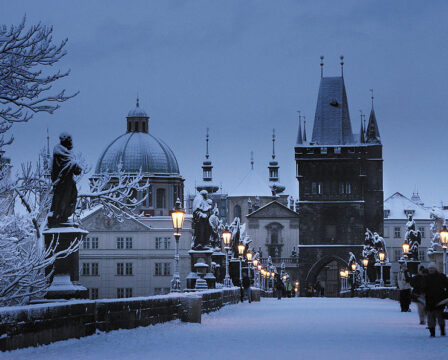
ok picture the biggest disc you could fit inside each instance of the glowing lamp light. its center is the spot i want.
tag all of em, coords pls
(365, 262)
(354, 266)
(249, 255)
(297, 284)
(296, 289)
(259, 267)
(273, 275)
(268, 274)
(346, 273)
(178, 217)
(241, 248)
(342, 274)
(255, 262)
(284, 277)
(381, 255)
(405, 247)
(226, 237)
(444, 237)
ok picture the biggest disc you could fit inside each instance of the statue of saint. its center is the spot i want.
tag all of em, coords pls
(201, 225)
(413, 238)
(215, 224)
(65, 194)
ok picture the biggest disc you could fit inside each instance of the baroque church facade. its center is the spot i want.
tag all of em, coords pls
(340, 178)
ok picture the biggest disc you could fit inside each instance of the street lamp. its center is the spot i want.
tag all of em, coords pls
(178, 218)
(444, 242)
(365, 262)
(342, 275)
(353, 266)
(405, 247)
(241, 248)
(382, 256)
(227, 237)
(249, 257)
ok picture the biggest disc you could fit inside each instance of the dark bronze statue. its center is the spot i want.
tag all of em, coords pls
(65, 194)
(202, 209)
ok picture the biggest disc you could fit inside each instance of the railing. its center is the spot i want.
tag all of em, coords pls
(279, 260)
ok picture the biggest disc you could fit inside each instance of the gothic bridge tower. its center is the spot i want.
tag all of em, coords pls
(340, 179)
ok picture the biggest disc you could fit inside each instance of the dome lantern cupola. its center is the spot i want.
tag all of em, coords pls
(137, 119)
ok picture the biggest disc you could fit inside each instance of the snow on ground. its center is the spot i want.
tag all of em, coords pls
(299, 328)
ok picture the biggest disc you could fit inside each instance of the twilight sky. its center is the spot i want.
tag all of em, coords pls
(243, 68)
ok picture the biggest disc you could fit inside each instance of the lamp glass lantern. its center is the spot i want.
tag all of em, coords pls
(346, 273)
(405, 247)
(226, 237)
(178, 217)
(249, 256)
(259, 267)
(444, 237)
(255, 262)
(365, 262)
(381, 255)
(241, 248)
(284, 277)
(353, 266)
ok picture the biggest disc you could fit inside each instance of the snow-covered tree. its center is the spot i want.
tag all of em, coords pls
(27, 60)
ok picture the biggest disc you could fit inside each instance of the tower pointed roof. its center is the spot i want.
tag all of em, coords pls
(332, 120)
(372, 132)
(362, 139)
(207, 172)
(304, 129)
(299, 134)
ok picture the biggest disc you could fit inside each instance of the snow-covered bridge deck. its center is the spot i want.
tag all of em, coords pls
(301, 328)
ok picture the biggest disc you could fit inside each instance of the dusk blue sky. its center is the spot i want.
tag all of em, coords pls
(242, 68)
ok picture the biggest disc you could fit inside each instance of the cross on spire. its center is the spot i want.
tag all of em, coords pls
(273, 143)
(251, 160)
(206, 145)
(322, 66)
(371, 96)
(342, 65)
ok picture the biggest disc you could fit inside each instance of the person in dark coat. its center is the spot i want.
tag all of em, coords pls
(403, 277)
(279, 286)
(418, 283)
(246, 286)
(436, 290)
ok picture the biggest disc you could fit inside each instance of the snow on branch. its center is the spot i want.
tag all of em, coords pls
(24, 86)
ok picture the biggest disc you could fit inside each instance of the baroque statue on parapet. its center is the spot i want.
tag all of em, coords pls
(413, 237)
(380, 246)
(235, 230)
(65, 194)
(202, 211)
(217, 227)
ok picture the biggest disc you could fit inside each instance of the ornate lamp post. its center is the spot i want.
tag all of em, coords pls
(241, 248)
(365, 262)
(381, 256)
(227, 237)
(444, 242)
(342, 275)
(178, 218)
(346, 277)
(249, 257)
(255, 263)
(353, 266)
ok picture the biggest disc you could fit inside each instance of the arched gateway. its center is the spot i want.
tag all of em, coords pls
(325, 272)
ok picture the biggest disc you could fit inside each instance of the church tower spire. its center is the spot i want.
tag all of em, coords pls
(304, 129)
(207, 171)
(273, 167)
(372, 132)
(299, 134)
(362, 139)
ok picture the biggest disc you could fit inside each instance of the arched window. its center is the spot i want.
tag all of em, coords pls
(160, 202)
(237, 211)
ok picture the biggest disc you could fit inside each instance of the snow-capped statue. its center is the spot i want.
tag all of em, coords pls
(413, 237)
(201, 225)
(380, 246)
(65, 194)
(235, 230)
(216, 225)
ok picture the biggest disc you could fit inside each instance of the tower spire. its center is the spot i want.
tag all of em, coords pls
(273, 144)
(206, 145)
(299, 134)
(304, 129)
(342, 65)
(371, 96)
(361, 132)
(322, 66)
(251, 160)
(372, 132)
(273, 167)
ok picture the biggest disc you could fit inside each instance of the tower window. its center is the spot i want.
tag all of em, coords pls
(160, 198)
(316, 187)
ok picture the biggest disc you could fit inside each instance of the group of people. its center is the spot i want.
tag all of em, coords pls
(429, 288)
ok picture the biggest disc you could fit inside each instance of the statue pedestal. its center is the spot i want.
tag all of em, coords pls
(386, 274)
(65, 279)
(412, 265)
(234, 271)
(200, 277)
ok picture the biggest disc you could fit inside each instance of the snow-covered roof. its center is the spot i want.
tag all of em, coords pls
(252, 185)
(397, 204)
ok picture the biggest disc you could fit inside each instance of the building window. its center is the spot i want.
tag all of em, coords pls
(386, 231)
(421, 254)
(93, 293)
(397, 232)
(158, 243)
(86, 243)
(120, 293)
(85, 269)
(167, 242)
(237, 211)
(94, 269)
(422, 231)
(397, 254)
(95, 243)
(316, 188)
(120, 268)
(128, 292)
(120, 243)
(348, 188)
(386, 213)
(128, 243)
(337, 150)
(128, 268)
(160, 195)
(323, 150)
(162, 269)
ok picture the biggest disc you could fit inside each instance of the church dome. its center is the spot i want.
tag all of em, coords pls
(138, 150)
